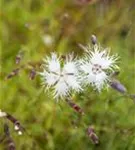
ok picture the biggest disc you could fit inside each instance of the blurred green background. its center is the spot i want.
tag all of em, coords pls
(38, 27)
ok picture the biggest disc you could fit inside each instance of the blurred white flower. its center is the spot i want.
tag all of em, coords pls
(62, 77)
(96, 64)
(2, 114)
(48, 39)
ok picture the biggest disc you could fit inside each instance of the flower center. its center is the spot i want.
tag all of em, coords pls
(96, 69)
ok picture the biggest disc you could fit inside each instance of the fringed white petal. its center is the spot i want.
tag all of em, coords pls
(95, 64)
(62, 79)
(53, 63)
(101, 79)
(61, 89)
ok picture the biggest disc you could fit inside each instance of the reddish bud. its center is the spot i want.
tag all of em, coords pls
(32, 74)
(75, 107)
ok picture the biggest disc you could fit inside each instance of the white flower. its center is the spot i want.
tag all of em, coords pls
(62, 77)
(96, 64)
(48, 40)
(2, 114)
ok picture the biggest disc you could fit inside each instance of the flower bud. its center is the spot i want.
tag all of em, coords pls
(91, 133)
(93, 39)
(115, 84)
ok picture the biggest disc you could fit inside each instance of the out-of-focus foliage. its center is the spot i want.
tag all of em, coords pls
(38, 27)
